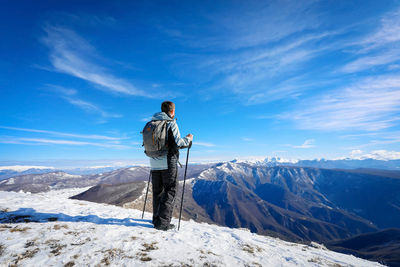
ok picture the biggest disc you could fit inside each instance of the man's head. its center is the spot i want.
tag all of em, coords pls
(169, 108)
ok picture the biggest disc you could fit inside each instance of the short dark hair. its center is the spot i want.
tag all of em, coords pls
(167, 106)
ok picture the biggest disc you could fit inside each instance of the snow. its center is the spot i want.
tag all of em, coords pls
(260, 161)
(64, 175)
(280, 160)
(88, 234)
(10, 181)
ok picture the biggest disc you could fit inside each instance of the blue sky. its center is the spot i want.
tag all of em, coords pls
(293, 79)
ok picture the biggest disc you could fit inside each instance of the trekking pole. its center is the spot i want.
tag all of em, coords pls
(184, 181)
(147, 191)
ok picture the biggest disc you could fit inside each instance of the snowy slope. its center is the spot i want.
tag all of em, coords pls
(70, 232)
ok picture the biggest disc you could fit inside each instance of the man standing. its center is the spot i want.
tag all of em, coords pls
(164, 169)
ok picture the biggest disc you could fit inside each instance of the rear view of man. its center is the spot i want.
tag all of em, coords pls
(164, 169)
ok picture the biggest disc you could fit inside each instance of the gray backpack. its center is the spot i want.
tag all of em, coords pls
(155, 138)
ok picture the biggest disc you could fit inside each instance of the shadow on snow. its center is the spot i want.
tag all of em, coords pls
(25, 215)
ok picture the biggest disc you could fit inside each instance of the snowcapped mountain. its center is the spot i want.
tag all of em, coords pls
(91, 170)
(268, 161)
(78, 233)
(274, 200)
(11, 171)
(58, 179)
(18, 170)
(317, 193)
(35, 183)
(329, 164)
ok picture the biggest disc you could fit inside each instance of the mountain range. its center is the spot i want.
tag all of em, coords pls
(346, 163)
(295, 203)
(12, 171)
(59, 180)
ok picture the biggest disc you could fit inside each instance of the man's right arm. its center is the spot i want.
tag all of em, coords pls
(180, 142)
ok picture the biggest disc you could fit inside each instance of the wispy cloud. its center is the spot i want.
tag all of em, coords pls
(245, 25)
(71, 96)
(73, 55)
(309, 143)
(367, 62)
(387, 32)
(27, 141)
(55, 133)
(376, 154)
(256, 50)
(264, 74)
(246, 139)
(92, 108)
(371, 104)
(204, 144)
(387, 138)
(355, 153)
(62, 90)
(377, 137)
(146, 119)
(378, 48)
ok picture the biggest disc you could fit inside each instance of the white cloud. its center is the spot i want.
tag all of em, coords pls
(243, 25)
(146, 119)
(355, 153)
(28, 141)
(309, 143)
(371, 104)
(85, 136)
(254, 23)
(376, 154)
(62, 90)
(379, 48)
(367, 62)
(73, 55)
(204, 144)
(247, 139)
(69, 95)
(259, 49)
(387, 32)
(92, 108)
(254, 76)
(136, 143)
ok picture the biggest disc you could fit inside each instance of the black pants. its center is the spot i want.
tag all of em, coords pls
(165, 186)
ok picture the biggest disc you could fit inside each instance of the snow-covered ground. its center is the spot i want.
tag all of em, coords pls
(70, 232)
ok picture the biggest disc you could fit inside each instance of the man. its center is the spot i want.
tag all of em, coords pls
(164, 169)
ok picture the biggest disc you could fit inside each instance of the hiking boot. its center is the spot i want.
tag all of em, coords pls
(165, 227)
